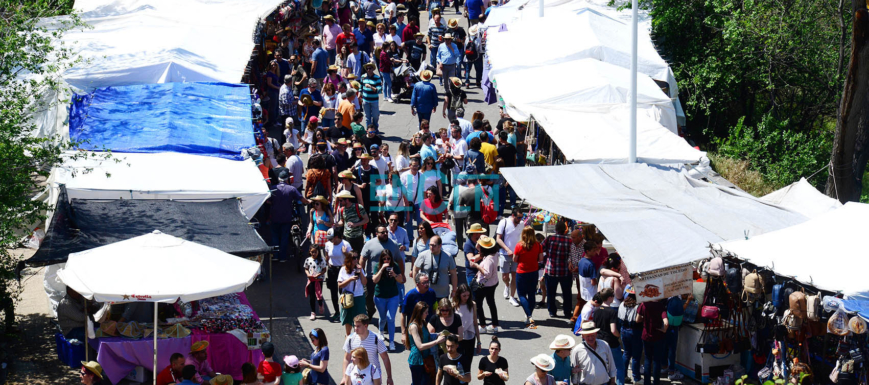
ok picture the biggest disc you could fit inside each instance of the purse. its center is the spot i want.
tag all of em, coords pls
(707, 343)
(710, 312)
(347, 300)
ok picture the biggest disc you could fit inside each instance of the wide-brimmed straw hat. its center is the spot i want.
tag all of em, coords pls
(486, 242)
(544, 362)
(343, 141)
(474, 29)
(453, 23)
(476, 228)
(223, 379)
(456, 81)
(588, 328)
(177, 331)
(562, 341)
(93, 367)
(448, 36)
(329, 17)
(346, 174)
(333, 68)
(199, 346)
(344, 194)
(321, 199)
(365, 156)
(369, 66)
(426, 75)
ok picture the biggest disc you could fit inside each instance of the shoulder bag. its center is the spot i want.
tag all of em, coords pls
(347, 300)
(596, 355)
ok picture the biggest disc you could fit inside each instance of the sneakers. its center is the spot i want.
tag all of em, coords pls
(676, 376)
(482, 330)
(391, 346)
(313, 316)
(495, 330)
(491, 330)
(507, 292)
(514, 302)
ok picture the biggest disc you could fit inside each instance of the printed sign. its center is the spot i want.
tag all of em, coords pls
(663, 283)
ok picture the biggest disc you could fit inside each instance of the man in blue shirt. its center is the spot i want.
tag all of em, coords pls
(448, 57)
(371, 87)
(474, 8)
(400, 25)
(370, 8)
(316, 98)
(284, 196)
(319, 61)
(479, 133)
(356, 60)
(424, 99)
(365, 36)
(493, 4)
(420, 293)
(427, 150)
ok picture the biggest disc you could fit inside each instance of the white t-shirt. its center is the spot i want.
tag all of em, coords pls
(292, 136)
(378, 40)
(390, 10)
(396, 39)
(510, 233)
(315, 267)
(336, 256)
(357, 288)
(373, 345)
(400, 163)
(362, 376)
(390, 196)
(460, 148)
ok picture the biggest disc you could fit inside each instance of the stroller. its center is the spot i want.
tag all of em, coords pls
(404, 79)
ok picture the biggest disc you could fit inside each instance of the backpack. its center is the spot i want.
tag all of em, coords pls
(715, 267)
(753, 287)
(320, 190)
(797, 302)
(487, 211)
(471, 50)
(794, 325)
(777, 291)
(733, 279)
(813, 307)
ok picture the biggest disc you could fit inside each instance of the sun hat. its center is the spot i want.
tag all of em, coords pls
(346, 174)
(562, 341)
(365, 156)
(291, 361)
(199, 346)
(333, 68)
(321, 199)
(93, 367)
(475, 228)
(544, 362)
(108, 329)
(426, 75)
(306, 100)
(486, 242)
(369, 65)
(474, 29)
(419, 34)
(453, 23)
(343, 141)
(329, 17)
(358, 145)
(223, 379)
(456, 81)
(588, 328)
(177, 331)
(370, 24)
(130, 329)
(344, 194)
(350, 77)
(448, 36)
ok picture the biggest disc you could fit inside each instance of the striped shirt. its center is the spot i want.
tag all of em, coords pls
(435, 33)
(373, 345)
(371, 94)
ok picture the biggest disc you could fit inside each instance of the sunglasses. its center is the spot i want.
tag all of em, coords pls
(381, 232)
(393, 220)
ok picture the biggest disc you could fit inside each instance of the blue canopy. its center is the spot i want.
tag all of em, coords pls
(212, 119)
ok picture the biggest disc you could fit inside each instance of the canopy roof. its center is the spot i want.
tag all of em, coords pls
(196, 118)
(164, 175)
(80, 225)
(156, 267)
(803, 198)
(828, 251)
(655, 217)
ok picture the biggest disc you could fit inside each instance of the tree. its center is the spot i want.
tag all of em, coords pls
(31, 59)
(851, 144)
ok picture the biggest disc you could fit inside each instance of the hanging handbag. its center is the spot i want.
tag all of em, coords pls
(347, 300)
(707, 343)
(710, 312)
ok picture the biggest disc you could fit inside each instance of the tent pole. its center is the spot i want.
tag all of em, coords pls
(86, 348)
(632, 154)
(155, 343)
(271, 312)
(540, 11)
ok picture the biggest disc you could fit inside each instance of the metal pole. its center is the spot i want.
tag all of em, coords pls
(86, 348)
(155, 343)
(540, 11)
(271, 313)
(632, 154)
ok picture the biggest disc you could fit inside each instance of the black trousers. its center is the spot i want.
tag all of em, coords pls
(332, 285)
(487, 294)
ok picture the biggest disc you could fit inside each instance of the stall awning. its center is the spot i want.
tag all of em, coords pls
(654, 217)
(803, 198)
(80, 225)
(828, 251)
(212, 119)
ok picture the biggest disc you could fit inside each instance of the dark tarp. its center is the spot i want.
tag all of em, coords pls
(85, 224)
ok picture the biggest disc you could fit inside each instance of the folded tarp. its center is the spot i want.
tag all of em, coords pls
(654, 217)
(80, 225)
(828, 251)
(212, 119)
(803, 198)
(165, 175)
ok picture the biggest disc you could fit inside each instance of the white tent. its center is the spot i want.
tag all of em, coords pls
(803, 198)
(827, 251)
(655, 217)
(165, 175)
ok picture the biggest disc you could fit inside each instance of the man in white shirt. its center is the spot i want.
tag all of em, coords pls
(592, 360)
(295, 165)
(372, 343)
(467, 127)
(458, 150)
(508, 235)
(412, 185)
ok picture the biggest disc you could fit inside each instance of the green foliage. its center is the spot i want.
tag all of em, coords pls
(782, 155)
(30, 61)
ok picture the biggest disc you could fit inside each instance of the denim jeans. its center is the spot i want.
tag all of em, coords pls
(655, 356)
(566, 283)
(386, 78)
(387, 307)
(409, 226)
(332, 53)
(633, 351)
(418, 375)
(372, 113)
(526, 287)
(478, 70)
(423, 115)
(618, 360)
(281, 238)
(671, 339)
(433, 56)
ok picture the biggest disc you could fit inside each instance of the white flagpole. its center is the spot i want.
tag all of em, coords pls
(632, 155)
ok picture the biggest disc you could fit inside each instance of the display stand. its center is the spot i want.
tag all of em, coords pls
(702, 367)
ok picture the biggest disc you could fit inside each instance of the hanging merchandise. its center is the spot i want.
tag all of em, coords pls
(813, 307)
(838, 323)
(857, 325)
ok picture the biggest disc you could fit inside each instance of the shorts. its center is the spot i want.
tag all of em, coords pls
(506, 264)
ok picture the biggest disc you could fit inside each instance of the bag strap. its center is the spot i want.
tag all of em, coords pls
(595, 354)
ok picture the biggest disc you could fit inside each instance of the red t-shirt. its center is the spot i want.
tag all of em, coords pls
(653, 319)
(343, 39)
(166, 377)
(527, 258)
(269, 370)
(601, 256)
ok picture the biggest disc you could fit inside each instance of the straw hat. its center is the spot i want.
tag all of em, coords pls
(177, 331)
(370, 24)
(475, 228)
(223, 379)
(486, 242)
(306, 100)
(562, 341)
(333, 68)
(319, 198)
(108, 329)
(365, 156)
(448, 36)
(358, 145)
(130, 329)
(343, 141)
(93, 367)
(544, 362)
(350, 77)
(344, 194)
(474, 29)
(199, 346)
(369, 65)
(160, 333)
(588, 328)
(329, 17)
(456, 81)
(426, 75)
(453, 23)
(419, 34)
(346, 174)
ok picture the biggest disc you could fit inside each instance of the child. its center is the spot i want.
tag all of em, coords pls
(315, 268)
(541, 284)
(268, 369)
(292, 372)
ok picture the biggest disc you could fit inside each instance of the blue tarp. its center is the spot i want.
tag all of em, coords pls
(212, 119)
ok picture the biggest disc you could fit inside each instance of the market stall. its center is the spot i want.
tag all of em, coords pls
(200, 280)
